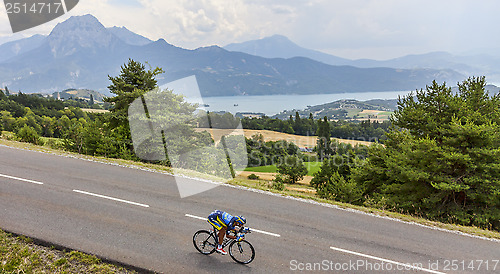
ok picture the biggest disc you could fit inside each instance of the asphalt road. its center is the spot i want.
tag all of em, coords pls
(137, 217)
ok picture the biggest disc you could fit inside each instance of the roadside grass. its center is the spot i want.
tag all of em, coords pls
(19, 254)
(302, 191)
(312, 167)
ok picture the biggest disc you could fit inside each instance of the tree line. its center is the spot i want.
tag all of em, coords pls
(367, 130)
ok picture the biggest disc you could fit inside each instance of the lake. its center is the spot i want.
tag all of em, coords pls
(273, 104)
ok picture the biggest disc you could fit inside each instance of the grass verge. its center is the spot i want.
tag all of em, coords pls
(312, 167)
(19, 254)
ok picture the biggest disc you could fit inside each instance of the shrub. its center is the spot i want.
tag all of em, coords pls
(253, 177)
(292, 170)
(278, 183)
(29, 134)
(54, 143)
(338, 188)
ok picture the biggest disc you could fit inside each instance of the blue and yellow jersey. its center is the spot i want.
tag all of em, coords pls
(226, 218)
(220, 218)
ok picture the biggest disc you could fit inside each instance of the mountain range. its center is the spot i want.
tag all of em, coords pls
(80, 53)
(278, 46)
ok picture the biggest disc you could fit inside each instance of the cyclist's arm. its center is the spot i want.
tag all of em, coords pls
(233, 229)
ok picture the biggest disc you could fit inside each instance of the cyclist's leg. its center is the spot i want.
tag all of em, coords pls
(222, 232)
(213, 220)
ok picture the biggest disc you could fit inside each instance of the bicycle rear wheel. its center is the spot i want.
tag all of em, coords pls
(204, 241)
(242, 252)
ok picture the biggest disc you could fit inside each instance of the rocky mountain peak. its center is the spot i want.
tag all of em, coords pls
(80, 32)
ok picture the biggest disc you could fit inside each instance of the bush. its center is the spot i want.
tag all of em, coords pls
(333, 180)
(10, 136)
(338, 188)
(29, 135)
(53, 143)
(292, 170)
(253, 177)
(278, 183)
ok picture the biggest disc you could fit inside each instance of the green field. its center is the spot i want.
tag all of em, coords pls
(312, 168)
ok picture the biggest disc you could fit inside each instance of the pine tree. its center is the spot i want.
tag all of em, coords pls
(134, 80)
(441, 159)
(323, 143)
(333, 181)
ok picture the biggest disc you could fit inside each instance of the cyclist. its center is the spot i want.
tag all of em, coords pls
(224, 223)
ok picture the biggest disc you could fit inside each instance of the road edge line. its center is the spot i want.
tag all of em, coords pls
(109, 198)
(21, 179)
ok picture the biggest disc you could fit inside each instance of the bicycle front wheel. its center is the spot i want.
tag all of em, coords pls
(242, 252)
(204, 242)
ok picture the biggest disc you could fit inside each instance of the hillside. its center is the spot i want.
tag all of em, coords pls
(79, 94)
(347, 109)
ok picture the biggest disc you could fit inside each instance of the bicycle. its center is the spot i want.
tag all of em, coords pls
(205, 241)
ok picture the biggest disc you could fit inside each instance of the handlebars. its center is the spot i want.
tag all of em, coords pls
(244, 230)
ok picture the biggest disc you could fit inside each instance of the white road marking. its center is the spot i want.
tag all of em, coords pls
(251, 229)
(386, 260)
(195, 217)
(109, 198)
(265, 232)
(21, 179)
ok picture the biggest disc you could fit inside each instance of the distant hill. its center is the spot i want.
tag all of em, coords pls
(491, 89)
(377, 109)
(18, 47)
(469, 65)
(278, 46)
(79, 94)
(81, 53)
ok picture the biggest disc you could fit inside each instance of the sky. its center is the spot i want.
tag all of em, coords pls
(354, 29)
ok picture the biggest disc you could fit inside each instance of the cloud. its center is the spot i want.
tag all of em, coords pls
(366, 28)
(281, 9)
(134, 3)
